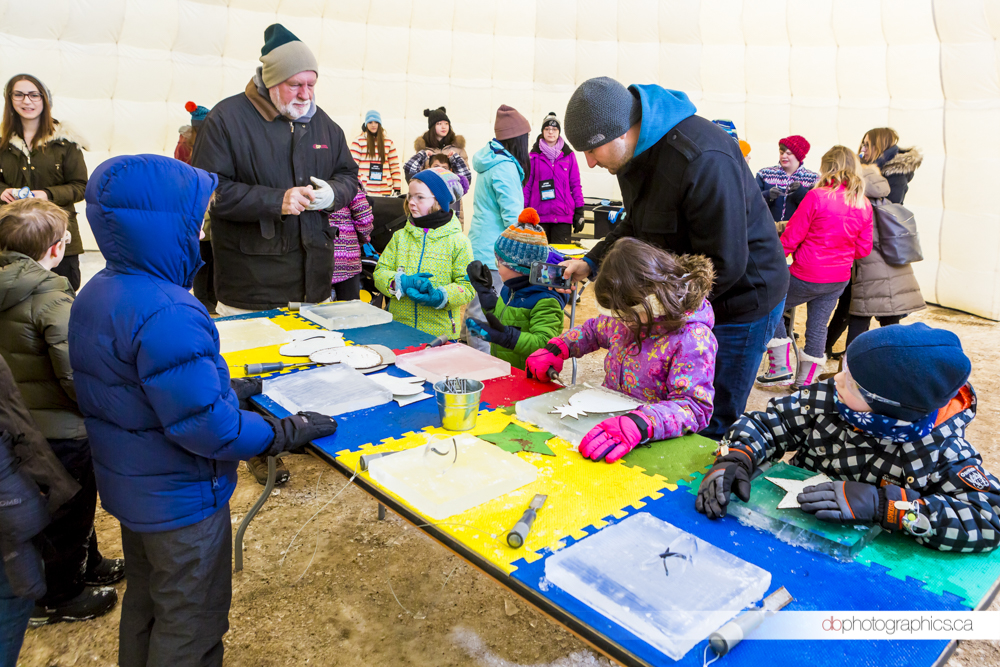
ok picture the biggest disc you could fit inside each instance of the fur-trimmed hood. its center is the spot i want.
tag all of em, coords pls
(419, 144)
(63, 133)
(906, 161)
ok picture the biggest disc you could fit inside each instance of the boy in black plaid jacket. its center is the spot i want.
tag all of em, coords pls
(890, 428)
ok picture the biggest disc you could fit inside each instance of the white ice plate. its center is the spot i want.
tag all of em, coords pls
(355, 356)
(303, 346)
(619, 573)
(329, 390)
(236, 335)
(300, 334)
(602, 401)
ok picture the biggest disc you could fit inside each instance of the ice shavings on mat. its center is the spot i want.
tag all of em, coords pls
(329, 390)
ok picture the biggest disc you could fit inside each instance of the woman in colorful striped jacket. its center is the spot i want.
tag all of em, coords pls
(378, 163)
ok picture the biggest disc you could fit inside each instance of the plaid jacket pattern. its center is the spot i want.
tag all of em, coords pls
(961, 499)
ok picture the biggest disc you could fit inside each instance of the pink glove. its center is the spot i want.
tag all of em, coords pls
(615, 437)
(540, 361)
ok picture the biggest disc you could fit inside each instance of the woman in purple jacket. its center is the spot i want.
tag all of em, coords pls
(553, 187)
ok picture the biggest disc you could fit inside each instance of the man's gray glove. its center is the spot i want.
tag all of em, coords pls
(244, 388)
(323, 194)
(295, 432)
(793, 186)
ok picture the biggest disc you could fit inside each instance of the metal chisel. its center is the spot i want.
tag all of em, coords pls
(519, 533)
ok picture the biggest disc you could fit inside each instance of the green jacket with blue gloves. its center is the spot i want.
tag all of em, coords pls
(444, 253)
(537, 311)
(498, 199)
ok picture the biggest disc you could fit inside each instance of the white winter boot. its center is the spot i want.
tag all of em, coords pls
(779, 364)
(808, 371)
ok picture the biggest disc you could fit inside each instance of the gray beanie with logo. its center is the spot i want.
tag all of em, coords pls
(601, 109)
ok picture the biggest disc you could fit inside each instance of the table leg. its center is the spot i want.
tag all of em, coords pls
(381, 512)
(272, 473)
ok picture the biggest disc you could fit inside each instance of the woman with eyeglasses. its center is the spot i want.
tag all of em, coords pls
(40, 158)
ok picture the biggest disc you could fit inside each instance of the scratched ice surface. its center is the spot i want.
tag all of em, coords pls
(346, 315)
(622, 572)
(536, 411)
(439, 484)
(329, 390)
(457, 361)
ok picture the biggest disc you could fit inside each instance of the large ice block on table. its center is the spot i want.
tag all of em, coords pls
(236, 335)
(537, 408)
(329, 390)
(345, 315)
(620, 572)
(793, 525)
(440, 485)
(457, 361)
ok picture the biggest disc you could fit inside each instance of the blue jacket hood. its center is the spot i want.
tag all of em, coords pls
(662, 108)
(146, 212)
(491, 155)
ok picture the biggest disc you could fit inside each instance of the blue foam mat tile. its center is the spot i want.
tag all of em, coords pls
(394, 335)
(817, 582)
(372, 425)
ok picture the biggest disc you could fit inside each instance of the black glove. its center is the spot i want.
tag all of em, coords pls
(246, 387)
(730, 474)
(578, 220)
(857, 503)
(498, 332)
(774, 193)
(395, 193)
(793, 186)
(293, 433)
(482, 281)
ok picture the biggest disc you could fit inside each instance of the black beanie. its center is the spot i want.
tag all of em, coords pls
(913, 369)
(435, 116)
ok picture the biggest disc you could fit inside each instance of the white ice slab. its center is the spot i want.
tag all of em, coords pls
(345, 315)
(537, 408)
(329, 390)
(457, 361)
(619, 573)
(442, 485)
(236, 335)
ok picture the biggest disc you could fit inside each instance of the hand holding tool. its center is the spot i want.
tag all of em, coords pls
(519, 533)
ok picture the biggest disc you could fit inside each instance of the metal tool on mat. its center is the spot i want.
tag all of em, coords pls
(268, 367)
(366, 459)
(732, 633)
(519, 533)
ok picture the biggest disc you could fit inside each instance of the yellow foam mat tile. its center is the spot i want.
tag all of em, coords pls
(287, 321)
(580, 494)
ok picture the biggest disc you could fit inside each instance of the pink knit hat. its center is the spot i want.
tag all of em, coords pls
(510, 123)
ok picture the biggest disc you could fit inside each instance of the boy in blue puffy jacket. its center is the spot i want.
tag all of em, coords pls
(165, 425)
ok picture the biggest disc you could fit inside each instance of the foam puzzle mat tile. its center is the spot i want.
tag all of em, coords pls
(675, 459)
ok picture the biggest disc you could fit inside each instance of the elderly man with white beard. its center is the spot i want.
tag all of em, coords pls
(283, 167)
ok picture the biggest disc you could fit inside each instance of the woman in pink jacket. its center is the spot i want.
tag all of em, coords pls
(553, 184)
(830, 229)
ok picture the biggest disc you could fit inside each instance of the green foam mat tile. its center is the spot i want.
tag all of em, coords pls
(677, 459)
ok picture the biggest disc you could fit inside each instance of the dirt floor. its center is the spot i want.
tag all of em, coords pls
(352, 590)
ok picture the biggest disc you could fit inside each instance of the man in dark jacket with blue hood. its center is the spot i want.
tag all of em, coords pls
(687, 189)
(165, 426)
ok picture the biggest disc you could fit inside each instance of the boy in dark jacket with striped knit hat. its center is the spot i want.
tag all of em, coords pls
(525, 317)
(890, 430)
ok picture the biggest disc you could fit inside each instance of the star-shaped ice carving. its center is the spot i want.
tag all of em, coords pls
(567, 411)
(793, 487)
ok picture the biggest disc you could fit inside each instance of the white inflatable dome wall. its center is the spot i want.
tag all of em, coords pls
(121, 70)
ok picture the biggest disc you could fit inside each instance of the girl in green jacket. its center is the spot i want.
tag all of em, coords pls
(424, 265)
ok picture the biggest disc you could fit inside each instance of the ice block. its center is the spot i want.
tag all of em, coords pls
(439, 483)
(236, 335)
(329, 390)
(536, 411)
(345, 315)
(795, 526)
(457, 361)
(666, 586)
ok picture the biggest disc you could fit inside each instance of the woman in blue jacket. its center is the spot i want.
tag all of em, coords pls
(165, 426)
(502, 167)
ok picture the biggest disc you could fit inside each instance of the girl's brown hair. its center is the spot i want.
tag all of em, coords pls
(374, 141)
(432, 141)
(880, 139)
(840, 166)
(634, 276)
(11, 122)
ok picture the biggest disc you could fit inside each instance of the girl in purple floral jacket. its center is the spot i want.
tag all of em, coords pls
(656, 323)
(355, 222)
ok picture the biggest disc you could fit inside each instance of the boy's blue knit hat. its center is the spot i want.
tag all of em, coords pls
(908, 371)
(522, 243)
(444, 185)
(373, 116)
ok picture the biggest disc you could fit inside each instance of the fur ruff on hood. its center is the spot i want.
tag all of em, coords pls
(62, 133)
(419, 144)
(906, 162)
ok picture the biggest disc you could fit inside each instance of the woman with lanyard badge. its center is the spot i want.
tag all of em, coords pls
(378, 163)
(553, 184)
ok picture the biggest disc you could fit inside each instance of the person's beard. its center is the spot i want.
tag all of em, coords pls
(291, 111)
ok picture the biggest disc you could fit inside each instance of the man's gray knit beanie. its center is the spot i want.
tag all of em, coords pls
(601, 109)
